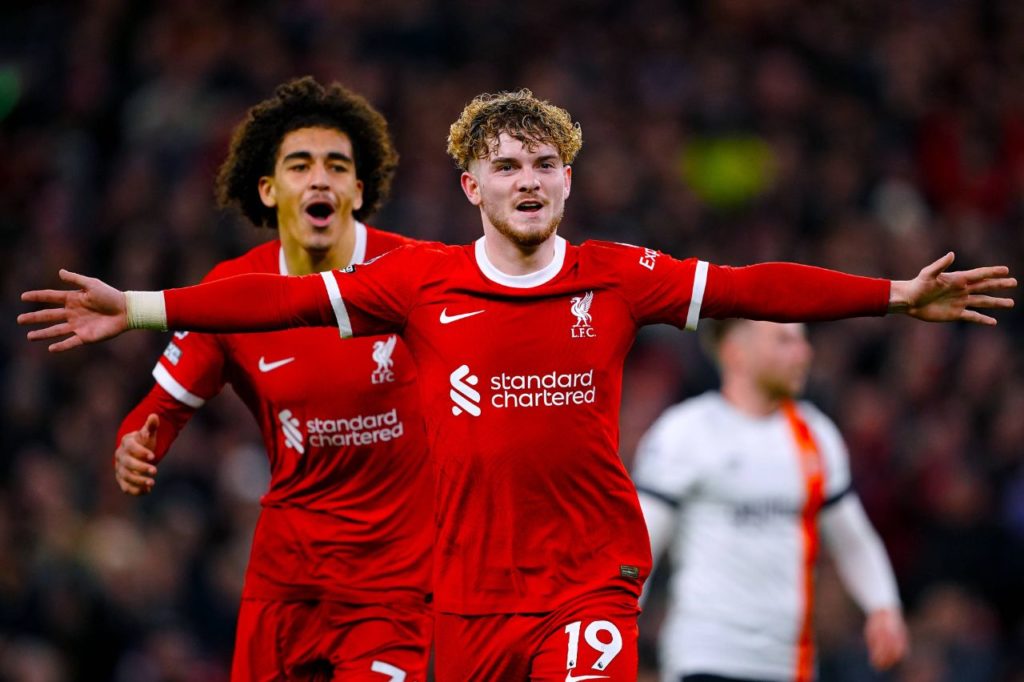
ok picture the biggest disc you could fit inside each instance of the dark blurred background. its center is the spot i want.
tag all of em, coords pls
(866, 135)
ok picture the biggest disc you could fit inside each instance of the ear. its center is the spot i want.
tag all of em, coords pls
(268, 193)
(357, 201)
(470, 187)
(567, 179)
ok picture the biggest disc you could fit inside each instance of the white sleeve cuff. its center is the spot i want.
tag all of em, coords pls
(700, 280)
(340, 313)
(146, 310)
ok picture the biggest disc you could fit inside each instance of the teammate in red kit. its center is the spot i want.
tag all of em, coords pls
(519, 341)
(339, 573)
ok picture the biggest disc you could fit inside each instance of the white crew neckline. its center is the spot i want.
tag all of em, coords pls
(527, 281)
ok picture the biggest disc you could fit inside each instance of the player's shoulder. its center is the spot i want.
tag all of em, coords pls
(821, 425)
(412, 255)
(598, 249)
(679, 438)
(816, 416)
(620, 257)
(381, 241)
(693, 413)
(263, 258)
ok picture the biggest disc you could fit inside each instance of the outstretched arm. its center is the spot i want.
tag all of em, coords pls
(253, 302)
(789, 292)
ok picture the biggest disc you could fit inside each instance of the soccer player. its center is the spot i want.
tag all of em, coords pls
(339, 576)
(519, 340)
(741, 483)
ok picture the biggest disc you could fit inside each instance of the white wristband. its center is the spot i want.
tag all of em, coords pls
(146, 310)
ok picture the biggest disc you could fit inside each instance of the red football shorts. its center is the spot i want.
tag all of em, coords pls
(591, 638)
(323, 640)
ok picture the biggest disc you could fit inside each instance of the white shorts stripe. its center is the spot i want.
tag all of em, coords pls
(179, 392)
(334, 293)
(700, 280)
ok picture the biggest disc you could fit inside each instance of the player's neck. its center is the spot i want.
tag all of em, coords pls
(512, 258)
(749, 398)
(303, 261)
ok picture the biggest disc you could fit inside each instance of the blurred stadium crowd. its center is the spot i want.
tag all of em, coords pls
(866, 135)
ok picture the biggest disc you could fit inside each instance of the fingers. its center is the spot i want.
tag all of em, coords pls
(130, 464)
(45, 296)
(936, 268)
(135, 453)
(134, 475)
(977, 318)
(133, 484)
(80, 281)
(50, 332)
(993, 284)
(978, 301)
(43, 316)
(148, 433)
(66, 344)
(980, 274)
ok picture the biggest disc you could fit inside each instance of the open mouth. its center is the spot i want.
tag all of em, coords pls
(529, 206)
(320, 213)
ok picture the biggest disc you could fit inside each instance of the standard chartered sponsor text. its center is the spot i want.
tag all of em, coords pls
(359, 430)
(554, 389)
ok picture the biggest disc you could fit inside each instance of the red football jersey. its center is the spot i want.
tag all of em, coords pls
(521, 381)
(348, 513)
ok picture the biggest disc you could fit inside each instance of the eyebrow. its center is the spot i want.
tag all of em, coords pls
(508, 159)
(307, 156)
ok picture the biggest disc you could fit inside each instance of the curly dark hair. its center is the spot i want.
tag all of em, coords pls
(521, 115)
(305, 103)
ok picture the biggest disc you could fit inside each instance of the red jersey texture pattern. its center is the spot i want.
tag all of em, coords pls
(348, 514)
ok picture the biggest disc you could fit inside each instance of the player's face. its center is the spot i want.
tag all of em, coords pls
(779, 357)
(314, 188)
(521, 191)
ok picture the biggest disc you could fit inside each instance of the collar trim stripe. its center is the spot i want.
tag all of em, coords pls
(527, 281)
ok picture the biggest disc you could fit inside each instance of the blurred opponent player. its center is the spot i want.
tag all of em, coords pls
(339, 574)
(741, 483)
(519, 341)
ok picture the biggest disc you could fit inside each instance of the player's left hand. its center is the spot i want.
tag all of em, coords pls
(94, 312)
(886, 637)
(939, 296)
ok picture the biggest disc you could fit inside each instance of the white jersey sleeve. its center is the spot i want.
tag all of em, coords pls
(859, 555)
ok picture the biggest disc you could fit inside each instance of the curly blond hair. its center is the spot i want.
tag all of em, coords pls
(528, 119)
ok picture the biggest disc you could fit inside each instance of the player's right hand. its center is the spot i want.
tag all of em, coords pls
(886, 635)
(95, 312)
(132, 468)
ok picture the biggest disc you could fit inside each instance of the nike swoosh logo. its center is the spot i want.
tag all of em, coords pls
(269, 366)
(448, 319)
(570, 678)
